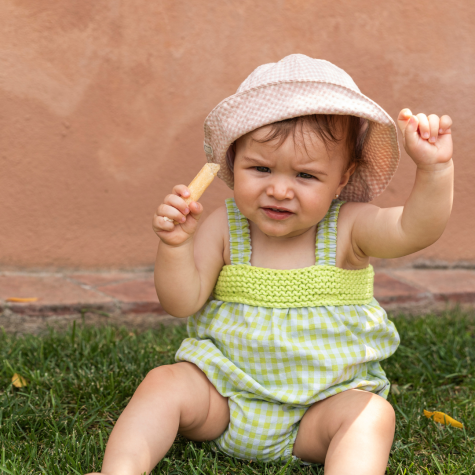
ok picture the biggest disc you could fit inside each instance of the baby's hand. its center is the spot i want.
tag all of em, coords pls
(175, 209)
(427, 140)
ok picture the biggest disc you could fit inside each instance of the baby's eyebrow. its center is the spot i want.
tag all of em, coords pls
(313, 166)
(262, 162)
(311, 171)
(253, 160)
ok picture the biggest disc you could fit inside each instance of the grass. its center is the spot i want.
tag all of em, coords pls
(79, 382)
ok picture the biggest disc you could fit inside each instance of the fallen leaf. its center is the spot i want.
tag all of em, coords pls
(443, 418)
(22, 300)
(18, 381)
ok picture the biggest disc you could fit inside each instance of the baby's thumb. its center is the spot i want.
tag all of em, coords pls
(196, 209)
(411, 137)
(403, 119)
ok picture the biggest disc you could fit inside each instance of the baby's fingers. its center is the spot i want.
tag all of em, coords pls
(196, 209)
(181, 190)
(434, 122)
(162, 223)
(424, 127)
(177, 202)
(403, 119)
(171, 213)
(445, 124)
(191, 222)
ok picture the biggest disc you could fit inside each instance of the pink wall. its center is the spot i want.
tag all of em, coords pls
(102, 106)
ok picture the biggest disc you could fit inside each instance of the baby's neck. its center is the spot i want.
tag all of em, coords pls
(283, 252)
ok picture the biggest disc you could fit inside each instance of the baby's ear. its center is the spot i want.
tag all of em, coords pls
(350, 169)
(345, 177)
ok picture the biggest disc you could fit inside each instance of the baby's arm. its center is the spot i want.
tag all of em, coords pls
(187, 266)
(399, 231)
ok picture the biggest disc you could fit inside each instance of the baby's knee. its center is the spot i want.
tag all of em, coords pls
(379, 415)
(385, 410)
(174, 377)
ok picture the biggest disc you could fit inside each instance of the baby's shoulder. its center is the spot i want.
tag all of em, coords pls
(350, 210)
(218, 217)
(210, 241)
(216, 223)
(213, 231)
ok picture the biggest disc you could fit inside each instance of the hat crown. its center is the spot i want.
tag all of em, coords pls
(297, 68)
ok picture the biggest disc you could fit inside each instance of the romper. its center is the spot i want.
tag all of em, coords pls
(276, 341)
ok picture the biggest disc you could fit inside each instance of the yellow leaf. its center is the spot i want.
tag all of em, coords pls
(18, 381)
(22, 299)
(442, 418)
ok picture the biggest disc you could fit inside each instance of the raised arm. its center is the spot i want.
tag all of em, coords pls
(399, 231)
(187, 265)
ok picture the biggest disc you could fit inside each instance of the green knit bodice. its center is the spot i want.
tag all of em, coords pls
(308, 287)
(317, 285)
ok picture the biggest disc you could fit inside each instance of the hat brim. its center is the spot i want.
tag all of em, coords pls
(244, 112)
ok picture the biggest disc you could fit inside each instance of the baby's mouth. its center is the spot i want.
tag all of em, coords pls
(277, 213)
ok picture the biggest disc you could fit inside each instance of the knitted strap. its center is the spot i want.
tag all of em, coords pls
(325, 246)
(239, 235)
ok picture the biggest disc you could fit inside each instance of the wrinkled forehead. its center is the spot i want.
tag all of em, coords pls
(300, 130)
(303, 143)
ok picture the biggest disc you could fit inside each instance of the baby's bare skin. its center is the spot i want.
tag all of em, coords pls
(350, 432)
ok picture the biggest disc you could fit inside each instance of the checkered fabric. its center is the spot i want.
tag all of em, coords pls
(274, 363)
(297, 86)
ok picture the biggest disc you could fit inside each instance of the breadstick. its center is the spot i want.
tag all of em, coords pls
(201, 181)
(199, 184)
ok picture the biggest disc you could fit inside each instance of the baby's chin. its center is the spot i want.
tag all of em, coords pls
(280, 229)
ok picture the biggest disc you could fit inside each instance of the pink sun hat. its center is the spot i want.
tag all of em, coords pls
(295, 86)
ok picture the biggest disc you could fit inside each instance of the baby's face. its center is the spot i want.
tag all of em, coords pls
(285, 190)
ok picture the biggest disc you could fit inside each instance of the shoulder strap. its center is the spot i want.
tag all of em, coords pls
(239, 235)
(325, 246)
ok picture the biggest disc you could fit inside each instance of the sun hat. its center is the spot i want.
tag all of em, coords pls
(296, 86)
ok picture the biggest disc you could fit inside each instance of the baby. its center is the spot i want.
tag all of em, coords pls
(285, 336)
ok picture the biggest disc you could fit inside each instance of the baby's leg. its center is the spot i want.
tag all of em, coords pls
(171, 399)
(351, 432)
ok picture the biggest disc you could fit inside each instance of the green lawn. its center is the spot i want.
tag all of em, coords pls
(80, 381)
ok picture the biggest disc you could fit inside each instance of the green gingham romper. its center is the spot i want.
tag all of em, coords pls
(276, 341)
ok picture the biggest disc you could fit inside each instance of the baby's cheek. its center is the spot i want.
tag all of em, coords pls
(246, 187)
(315, 206)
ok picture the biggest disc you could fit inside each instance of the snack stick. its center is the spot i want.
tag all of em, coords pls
(199, 184)
(201, 181)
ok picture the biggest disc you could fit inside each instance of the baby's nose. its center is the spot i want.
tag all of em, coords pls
(280, 189)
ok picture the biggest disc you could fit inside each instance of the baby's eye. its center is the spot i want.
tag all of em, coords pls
(263, 169)
(305, 175)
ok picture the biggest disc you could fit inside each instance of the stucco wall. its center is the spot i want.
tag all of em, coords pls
(103, 101)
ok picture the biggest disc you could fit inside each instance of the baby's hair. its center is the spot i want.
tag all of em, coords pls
(331, 128)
